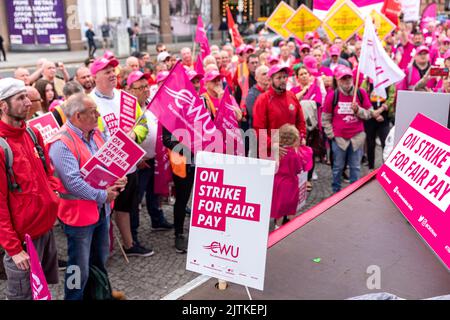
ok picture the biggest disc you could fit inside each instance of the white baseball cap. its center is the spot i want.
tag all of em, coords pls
(10, 87)
(163, 56)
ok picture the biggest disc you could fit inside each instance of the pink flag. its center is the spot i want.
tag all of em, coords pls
(163, 173)
(198, 67)
(227, 123)
(201, 38)
(38, 282)
(178, 107)
(429, 14)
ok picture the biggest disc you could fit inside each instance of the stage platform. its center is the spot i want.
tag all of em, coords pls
(365, 229)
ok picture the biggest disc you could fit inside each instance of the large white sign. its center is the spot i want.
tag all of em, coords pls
(411, 10)
(230, 218)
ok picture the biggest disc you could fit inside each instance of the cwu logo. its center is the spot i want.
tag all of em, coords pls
(223, 249)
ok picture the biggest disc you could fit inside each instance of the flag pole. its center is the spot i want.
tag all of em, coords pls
(356, 85)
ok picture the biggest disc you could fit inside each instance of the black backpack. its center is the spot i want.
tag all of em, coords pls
(98, 286)
(9, 159)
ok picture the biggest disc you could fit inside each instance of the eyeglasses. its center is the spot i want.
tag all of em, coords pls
(144, 87)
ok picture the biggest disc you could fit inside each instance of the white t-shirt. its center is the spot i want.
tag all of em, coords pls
(149, 144)
(109, 109)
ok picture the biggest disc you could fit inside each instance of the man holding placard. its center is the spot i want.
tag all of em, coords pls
(111, 105)
(84, 210)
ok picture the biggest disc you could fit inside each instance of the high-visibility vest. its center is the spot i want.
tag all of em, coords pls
(73, 211)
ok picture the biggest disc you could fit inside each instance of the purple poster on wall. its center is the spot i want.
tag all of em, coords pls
(40, 23)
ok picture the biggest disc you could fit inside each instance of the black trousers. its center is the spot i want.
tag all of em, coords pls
(183, 188)
(92, 48)
(2, 50)
(373, 129)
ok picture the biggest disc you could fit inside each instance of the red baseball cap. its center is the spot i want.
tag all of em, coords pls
(102, 63)
(277, 68)
(135, 76)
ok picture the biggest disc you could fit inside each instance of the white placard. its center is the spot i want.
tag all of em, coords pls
(230, 217)
(435, 106)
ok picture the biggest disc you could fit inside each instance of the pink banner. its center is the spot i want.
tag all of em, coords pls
(127, 118)
(118, 155)
(416, 176)
(38, 282)
(46, 124)
(227, 123)
(178, 107)
(201, 38)
(100, 178)
(163, 171)
(429, 14)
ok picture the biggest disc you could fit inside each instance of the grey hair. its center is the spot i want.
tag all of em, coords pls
(76, 103)
(71, 88)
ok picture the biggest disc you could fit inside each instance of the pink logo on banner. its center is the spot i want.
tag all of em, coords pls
(118, 155)
(127, 118)
(100, 178)
(112, 123)
(46, 124)
(215, 202)
(178, 106)
(227, 123)
(38, 282)
(416, 178)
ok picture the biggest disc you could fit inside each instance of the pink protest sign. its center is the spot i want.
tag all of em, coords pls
(215, 202)
(118, 155)
(100, 178)
(111, 122)
(416, 176)
(127, 116)
(38, 282)
(46, 124)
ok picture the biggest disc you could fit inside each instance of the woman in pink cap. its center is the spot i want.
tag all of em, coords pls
(417, 70)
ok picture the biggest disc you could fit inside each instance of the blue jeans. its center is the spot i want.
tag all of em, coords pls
(146, 179)
(85, 246)
(353, 160)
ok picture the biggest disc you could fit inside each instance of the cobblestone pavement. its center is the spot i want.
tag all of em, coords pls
(154, 277)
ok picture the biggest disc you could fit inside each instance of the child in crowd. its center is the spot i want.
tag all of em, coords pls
(286, 188)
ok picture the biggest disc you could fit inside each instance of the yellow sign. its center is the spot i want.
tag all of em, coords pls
(344, 21)
(279, 17)
(302, 22)
(382, 24)
(332, 9)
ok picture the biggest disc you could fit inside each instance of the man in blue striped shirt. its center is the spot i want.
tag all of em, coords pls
(85, 210)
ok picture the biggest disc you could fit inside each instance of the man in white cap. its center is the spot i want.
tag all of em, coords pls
(28, 197)
(166, 58)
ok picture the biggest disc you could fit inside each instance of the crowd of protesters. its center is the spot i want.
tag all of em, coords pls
(305, 89)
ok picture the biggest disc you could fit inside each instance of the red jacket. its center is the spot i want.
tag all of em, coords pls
(272, 110)
(33, 210)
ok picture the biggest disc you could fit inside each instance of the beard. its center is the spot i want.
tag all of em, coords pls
(15, 116)
(280, 88)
